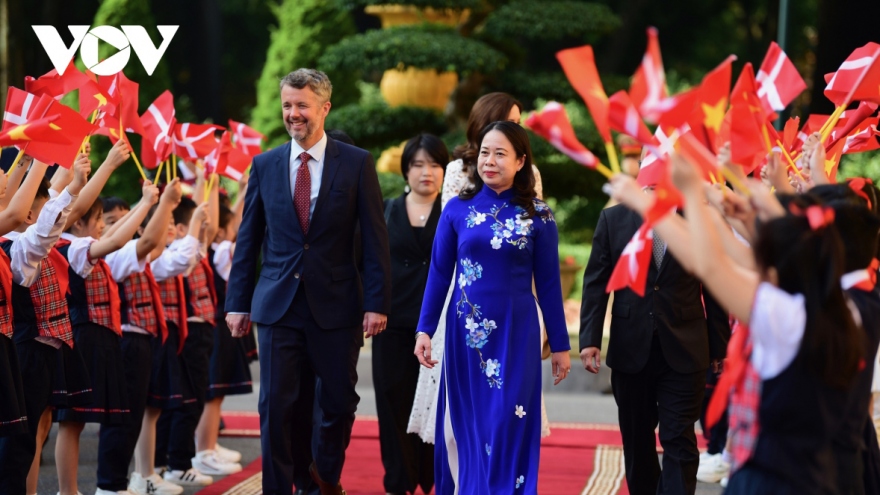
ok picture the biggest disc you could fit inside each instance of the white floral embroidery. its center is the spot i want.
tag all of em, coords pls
(496, 243)
(478, 333)
(492, 368)
(488, 449)
(520, 481)
(520, 412)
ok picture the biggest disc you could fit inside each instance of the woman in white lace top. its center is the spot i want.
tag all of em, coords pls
(489, 108)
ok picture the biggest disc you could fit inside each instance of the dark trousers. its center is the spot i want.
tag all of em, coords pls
(659, 395)
(176, 429)
(116, 442)
(408, 461)
(38, 363)
(751, 480)
(716, 437)
(285, 349)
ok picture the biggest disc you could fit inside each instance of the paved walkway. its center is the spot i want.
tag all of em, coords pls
(577, 400)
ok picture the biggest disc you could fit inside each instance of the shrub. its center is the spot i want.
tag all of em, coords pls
(305, 28)
(375, 125)
(550, 20)
(425, 46)
(436, 4)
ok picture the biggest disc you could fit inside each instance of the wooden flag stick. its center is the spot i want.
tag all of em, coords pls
(174, 166)
(602, 169)
(168, 171)
(735, 182)
(612, 157)
(17, 160)
(829, 124)
(138, 164)
(158, 173)
(791, 163)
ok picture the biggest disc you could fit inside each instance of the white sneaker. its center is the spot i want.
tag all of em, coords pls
(190, 477)
(704, 457)
(110, 492)
(227, 455)
(724, 482)
(713, 470)
(208, 462)
(77, 493)
(152, 485)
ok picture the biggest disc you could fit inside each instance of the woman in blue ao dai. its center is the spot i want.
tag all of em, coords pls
(494, 238)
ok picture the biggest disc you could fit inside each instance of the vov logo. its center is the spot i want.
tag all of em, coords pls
(86, 40)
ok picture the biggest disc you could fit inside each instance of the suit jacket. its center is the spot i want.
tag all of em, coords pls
(323, 260)
(672, 307)
(410, 260)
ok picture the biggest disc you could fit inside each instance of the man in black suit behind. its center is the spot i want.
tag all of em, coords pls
(303, 203)
(659, 349)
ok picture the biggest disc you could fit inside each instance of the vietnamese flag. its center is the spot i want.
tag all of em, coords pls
(56, 85)
(832, 160)
(695, 152)
(711, 104)
(39, 130)
(579, 65)
(666, 197)
(70, 123)
(552, 124)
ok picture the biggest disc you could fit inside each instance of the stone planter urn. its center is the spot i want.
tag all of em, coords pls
(403, 15)
(418, 88)
(567, 271)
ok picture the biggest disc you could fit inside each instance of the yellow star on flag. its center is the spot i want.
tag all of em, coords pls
(17, 133)
(598, 93)
(101, 100)
(830, 163)
(54, 127)
(714, 114)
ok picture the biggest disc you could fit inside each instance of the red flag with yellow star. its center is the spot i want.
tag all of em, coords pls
(92, 96)
(71, 124)
(42, 130)
(748, 133)
(56, 85)
(832, 160)
(711, 103)
(579, 65)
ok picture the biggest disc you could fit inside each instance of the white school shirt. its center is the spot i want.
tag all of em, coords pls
(78, 254)
(30, 248)
(223, 259)
(178, 258)
(777, 326)
(316, 168)
(124, 263)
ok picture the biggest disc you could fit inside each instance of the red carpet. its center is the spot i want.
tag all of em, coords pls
(576, 459)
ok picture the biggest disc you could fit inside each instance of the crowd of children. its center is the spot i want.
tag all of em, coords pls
(797, 269)
(113, 314)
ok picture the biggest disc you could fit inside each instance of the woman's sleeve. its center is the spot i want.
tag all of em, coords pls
(539, 186)
(548, 286)
(440, 273)
(453, 183)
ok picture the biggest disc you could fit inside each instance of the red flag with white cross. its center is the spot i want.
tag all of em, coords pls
(778, 79)
(648, 88)
(634, 263)
(247, 139)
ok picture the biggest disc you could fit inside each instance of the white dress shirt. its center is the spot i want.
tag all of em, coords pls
(78, 254)
(178, 258)
(31, 247)
(125, 262)
(316, 168)
(777, 327)
(223, 259)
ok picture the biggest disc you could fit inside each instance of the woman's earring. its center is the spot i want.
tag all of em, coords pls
(406, 189)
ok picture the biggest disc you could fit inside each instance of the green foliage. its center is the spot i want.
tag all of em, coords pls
(436, 4)
(305, 28)
(375, 125)
(860, 165)
(550, 20)
(530, 85)
(391, 184)
(425, 46)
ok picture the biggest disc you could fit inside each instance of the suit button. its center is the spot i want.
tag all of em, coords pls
(424, 262)
(296, 275)
(651, 314)
(656, 287)
(306, 246)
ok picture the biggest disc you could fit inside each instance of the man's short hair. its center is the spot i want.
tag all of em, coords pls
(316, 80)
(111, 203)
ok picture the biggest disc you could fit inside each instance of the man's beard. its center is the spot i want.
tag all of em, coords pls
(304, 133)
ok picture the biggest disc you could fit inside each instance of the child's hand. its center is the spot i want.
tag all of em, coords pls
(172, 193)
(200, 215)
(119, 153)
(814, 158)
(81, 169)
(685, 175)
(625, 190)
(243, 182)
(150, 193)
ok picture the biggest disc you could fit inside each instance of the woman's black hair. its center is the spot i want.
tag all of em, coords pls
(810, 262)
(433, 146)
(524, 180)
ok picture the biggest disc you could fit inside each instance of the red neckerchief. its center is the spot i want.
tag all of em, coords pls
(115, 302)
(181, 303)
(209, 276)
(157, 303)
(6, 278)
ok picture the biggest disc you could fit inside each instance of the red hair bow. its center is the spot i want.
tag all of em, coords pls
(857, 184)
(819, 217)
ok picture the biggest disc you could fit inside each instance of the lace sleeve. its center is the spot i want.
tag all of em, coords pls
(539, 187)
(456, 180)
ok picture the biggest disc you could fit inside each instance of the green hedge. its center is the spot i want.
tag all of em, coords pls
(425, 46)
(436, 4)
(375, 126)
(550, 20)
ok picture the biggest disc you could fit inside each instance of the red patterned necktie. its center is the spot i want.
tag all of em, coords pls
(302, 194)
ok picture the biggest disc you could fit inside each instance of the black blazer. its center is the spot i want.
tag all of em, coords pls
(672, 307)
(324, 258)
(410, 260)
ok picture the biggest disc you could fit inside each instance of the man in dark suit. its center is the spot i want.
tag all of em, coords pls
(659, 350)
(309, 303)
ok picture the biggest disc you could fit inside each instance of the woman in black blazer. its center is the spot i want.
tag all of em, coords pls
(412, 221)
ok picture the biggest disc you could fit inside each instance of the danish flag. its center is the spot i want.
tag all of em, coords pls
(624, 117)
(227, 160)
(552, 124)
(849, 120)
(19, 108)
(158, 122)
(864, 138)
(780, 82)
(194, 141)
(858, 77)
(651, 170)
(634, 262)
(648, 88)
(247, 139)
(579, 66)
(56, 85)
